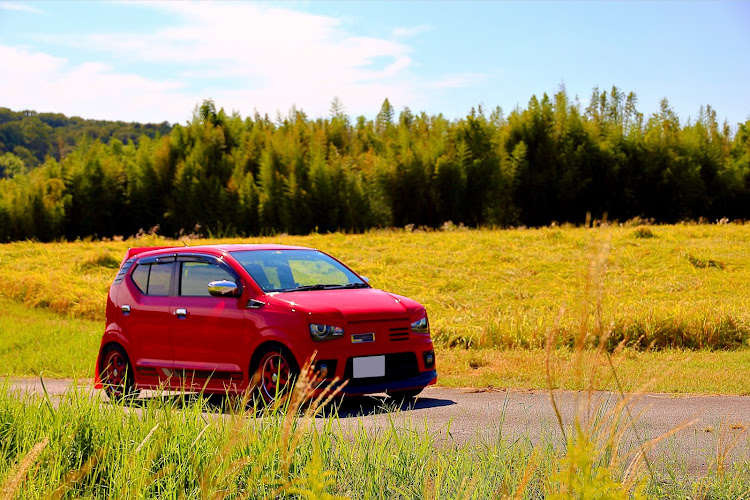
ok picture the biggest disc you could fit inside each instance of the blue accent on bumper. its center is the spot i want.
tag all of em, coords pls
(422, 380)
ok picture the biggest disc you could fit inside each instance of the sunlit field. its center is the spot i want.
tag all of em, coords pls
(664, 307)
(682, 290)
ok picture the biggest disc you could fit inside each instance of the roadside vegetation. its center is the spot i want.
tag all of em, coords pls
(79, 446)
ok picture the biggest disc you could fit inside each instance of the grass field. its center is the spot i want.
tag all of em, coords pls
(494, 299)
(683, 290)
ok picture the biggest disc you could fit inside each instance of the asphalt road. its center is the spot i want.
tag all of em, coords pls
(467, 416)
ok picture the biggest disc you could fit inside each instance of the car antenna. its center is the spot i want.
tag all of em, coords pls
(184, 242)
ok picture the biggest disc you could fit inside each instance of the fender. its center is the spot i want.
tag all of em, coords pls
(112, 335)
(271, 334)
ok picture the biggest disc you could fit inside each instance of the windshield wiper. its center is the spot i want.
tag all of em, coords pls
(304, 288)
(319, 286)
(355, 285)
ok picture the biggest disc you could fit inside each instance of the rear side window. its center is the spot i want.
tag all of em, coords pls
(140, 277)
(153, 279)
(197, 275)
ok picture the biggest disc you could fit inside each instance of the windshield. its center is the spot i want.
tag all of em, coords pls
(296, 270)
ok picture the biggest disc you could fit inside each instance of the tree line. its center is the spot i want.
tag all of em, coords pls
(221, 174)
(33, 136)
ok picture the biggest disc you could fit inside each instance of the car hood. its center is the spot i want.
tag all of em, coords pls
(352, 304)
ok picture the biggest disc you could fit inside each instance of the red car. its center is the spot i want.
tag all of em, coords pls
(211, 317)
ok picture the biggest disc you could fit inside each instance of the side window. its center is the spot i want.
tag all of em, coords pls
(153, 279)
(159, 279)
(140, 277)
(196, 276)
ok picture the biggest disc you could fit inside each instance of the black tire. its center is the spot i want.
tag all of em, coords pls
(116, 373)
(275, 372)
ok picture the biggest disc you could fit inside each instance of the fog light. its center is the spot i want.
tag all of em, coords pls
(429, 358)
(324, 368)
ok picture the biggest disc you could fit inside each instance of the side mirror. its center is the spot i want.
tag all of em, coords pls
(224, 288)
(365, 279)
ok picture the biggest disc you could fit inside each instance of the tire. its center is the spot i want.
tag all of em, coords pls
(405, 396)
(117, 373)
(276, 373)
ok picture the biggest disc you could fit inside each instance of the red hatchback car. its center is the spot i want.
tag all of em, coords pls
(212, 318)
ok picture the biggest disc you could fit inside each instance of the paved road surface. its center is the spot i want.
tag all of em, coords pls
(469, 416)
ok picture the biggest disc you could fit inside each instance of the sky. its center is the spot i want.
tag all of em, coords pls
(155, 61)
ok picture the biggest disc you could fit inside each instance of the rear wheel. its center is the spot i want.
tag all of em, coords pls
(117, 373)
(276, 373)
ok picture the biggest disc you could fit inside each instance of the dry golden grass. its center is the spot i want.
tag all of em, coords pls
(672, 371)
(685, 286)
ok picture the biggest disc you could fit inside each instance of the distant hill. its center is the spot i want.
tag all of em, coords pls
(33, 136)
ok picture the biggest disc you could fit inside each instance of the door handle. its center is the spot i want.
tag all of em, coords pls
(125, 309)
(180, 313)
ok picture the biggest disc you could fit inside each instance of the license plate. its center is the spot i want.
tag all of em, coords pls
(370, 366)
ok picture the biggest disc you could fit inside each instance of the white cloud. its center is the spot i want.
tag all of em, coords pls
(92, 90)
(19, 7)
(245, 56)
(410, 31)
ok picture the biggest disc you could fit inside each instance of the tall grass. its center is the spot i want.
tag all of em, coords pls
(188, 447)
(172, 447)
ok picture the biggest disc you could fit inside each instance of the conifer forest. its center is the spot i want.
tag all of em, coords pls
(221, 174)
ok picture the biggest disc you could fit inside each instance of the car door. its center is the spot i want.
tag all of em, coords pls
(146, 319)
(208, 332)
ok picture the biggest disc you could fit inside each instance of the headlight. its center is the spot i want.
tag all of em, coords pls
(422, 325)
(325, 332)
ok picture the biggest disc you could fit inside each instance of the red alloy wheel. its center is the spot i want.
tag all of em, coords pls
(116, 373)
(275, 375)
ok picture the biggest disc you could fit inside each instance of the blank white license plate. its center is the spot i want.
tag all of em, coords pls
(371, 366)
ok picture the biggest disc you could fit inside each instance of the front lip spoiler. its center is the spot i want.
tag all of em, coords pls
(422, 380)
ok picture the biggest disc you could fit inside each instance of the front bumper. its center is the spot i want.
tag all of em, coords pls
(422, 380)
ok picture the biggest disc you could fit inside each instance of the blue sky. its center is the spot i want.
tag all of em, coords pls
(155, 61)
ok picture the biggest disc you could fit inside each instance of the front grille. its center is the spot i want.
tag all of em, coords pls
(398, 334)
(398, 366)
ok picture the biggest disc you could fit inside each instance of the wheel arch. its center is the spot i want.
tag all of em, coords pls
(100, 359)
(265, 347)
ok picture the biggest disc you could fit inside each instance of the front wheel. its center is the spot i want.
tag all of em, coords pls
(276, 374)
(117, 373)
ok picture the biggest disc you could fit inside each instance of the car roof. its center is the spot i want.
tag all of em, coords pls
(214, 249)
